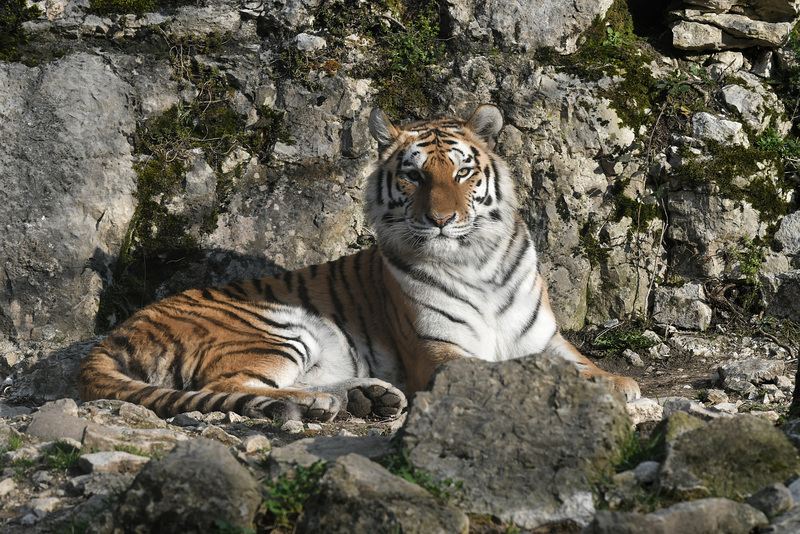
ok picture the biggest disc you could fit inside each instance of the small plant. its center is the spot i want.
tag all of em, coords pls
(619, 339)
(613, 38)
(15, 441)
(400, 465)
(289, 492)
(635, 450)
(62, 457)
(750, 259)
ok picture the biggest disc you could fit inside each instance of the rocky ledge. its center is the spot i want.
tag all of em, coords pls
(528, 444)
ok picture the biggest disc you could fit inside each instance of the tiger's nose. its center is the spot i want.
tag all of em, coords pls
(440, 221)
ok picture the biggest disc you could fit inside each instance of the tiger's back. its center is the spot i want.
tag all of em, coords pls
(454, 274)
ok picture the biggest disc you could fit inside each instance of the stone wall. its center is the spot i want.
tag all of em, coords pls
(606, 169)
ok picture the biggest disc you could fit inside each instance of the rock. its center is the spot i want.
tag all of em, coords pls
(748, 105)
(110, 438)
(65, 126)
(633, 358)
(644, 409)
(309, 43)
(524, 26)
(708, 126)
(683, 306)
(51, 425)
(738, 375)
(788, 234)
(463, 429)
(704, 516)
(760, 455)
(307, 451)
(174, 494)
(111, 462)
(772, 500)
(671, 428)
(781, 291)
(716, 396)
(7, 486)
(357, 495)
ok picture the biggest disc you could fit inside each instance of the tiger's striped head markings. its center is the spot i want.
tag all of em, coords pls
(440, 192)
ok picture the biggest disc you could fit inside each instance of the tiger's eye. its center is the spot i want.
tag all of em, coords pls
(463, 173)
(414, 176)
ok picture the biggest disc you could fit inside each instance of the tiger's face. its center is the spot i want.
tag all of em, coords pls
(440, 191)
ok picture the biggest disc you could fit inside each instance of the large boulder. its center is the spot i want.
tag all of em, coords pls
(66, 188)
(523, 436)
(357, 495)
(198, 483)
(706, 461)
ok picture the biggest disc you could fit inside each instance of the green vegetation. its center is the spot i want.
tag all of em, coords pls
(400, 465)
(136, 7)
(729, 165)
(750, 257)
(13, 14)
(289, 493)
(158, 243)
(62, 456)
(636, 449)
(623, 337)
(590, 246)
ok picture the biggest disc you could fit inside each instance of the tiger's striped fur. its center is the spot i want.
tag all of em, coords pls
(454, 274)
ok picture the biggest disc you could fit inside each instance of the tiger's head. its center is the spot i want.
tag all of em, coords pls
(439, 190)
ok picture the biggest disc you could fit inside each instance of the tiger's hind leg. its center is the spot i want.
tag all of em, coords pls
(365, 396)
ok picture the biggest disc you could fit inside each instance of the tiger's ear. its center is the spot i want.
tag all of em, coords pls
(487, 121)
(382, 129)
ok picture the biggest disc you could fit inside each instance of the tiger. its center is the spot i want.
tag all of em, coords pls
(453, 274)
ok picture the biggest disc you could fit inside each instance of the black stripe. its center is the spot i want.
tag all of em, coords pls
(207, 294)
(258, 285)
(497, 192)
(314, 269)
(287, 279)
(241, 402)
(533, 317)
(302, 292)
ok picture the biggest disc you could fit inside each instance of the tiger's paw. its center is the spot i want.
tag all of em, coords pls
(381, 399)
(627, 386)
(298, 405)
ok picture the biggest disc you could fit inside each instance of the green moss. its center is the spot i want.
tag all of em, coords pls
(591, 247)
(730, 161)
(137, 7)
(610, 48)
(13, 14)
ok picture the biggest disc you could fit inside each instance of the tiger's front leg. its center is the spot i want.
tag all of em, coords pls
(362, 397)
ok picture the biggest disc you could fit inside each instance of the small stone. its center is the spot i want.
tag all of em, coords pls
(316, 427)
(644, 409)
(647, 472)
(256, 443)
(293, 427)
(7, 486)
(633, 358)
(310, 43)
(185, 419)
(43, 505)
(784, 382)
(727, 407)
(716, 396)
(233, 417)
(217, 434)
(772, 500)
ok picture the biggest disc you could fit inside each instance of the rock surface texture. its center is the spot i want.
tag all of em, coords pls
(189, 144)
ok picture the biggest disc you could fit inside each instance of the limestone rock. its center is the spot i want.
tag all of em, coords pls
(707, 126)
(644, 409)
(524, 25)
(481, 423)
(174, 494)
(357, 495)
(66, 190)
(704, 516)
(754, 371)
(782, 293)
(683, 306)
(760, 455)
(772, 500)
